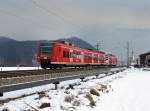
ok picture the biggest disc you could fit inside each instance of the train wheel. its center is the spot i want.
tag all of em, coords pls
(50, 67)
(43, 66)
(60, 67)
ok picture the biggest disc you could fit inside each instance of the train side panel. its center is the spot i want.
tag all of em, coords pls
(52, 55)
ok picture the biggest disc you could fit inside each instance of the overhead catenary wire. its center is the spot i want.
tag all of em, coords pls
(9, 13)
(50, 12)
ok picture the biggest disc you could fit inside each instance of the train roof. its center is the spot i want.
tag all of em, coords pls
(70, 44)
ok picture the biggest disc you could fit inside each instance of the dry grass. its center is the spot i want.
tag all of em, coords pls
(76, 102)
(45, 105)
(15, 98)
(32, 108)
(94, 92)
(62, 107)
(43, 94)
(102, 87)
(69, 98)
(67, 108)
(6, 109)
(90, 98)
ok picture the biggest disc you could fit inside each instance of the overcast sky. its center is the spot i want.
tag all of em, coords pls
(109, 22)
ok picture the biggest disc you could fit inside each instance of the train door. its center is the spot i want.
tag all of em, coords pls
(106, 59)
(59, 54)
(93, 58)
(82, 57)
(90, 58)
(71, 56)
(65, 54)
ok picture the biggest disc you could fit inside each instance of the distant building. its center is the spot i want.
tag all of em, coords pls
(144, 59)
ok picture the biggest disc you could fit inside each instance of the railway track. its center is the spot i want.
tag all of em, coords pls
(10, 74)
(20, 73)
(15, 80)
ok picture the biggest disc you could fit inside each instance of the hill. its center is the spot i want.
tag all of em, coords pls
(24, 52)
(79, 43)
(5, 39)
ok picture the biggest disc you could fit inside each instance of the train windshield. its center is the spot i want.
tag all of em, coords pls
(45, 49)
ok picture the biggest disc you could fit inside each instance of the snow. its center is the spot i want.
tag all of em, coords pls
(126, 91)
(18, 68)
(26, 68)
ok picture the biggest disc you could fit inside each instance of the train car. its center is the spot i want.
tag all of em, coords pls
(101, 58)
(58, 54)
(110, 60)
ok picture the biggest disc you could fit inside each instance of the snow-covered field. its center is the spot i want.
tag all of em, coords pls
(18, 68)
(26, 68)
(125, 91)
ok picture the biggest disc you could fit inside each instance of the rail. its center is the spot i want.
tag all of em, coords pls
(22, 82)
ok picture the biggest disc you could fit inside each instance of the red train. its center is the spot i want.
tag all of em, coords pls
(58, 54)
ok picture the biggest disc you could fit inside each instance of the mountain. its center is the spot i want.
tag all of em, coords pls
(14, 52)
(5, 39)
(79, 43)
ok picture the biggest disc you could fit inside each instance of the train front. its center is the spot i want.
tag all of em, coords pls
(44, 54)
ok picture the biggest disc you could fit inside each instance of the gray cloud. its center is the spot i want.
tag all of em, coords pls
(110, 22)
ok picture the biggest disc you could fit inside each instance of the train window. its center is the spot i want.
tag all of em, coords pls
(71, 55)
(67, 54)
(64, 54)
(45, 48)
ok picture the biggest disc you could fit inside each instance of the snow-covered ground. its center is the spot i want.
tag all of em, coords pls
(27, 68)
(18, 68)
(125, 91)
